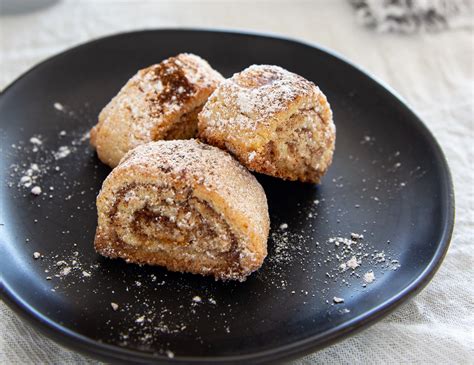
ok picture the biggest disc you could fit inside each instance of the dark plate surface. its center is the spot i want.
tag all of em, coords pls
(389, 181)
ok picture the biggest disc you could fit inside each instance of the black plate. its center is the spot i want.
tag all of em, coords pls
(389, 181)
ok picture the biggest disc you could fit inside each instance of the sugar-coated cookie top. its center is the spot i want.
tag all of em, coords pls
(167, 85)
(196, 163)
(255, 95)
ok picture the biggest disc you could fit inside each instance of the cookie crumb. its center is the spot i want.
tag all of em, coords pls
(369, 277)
(36, 255)
(197, 299)
(338, 300)
(36, 190)
(62, 152)
(379, 257)
(65, 271)
(140, 319)
(26, 181)
(394, 265)
(58, 106)
(114, 306)
(36, 141)
(352, 263)
(283, 226)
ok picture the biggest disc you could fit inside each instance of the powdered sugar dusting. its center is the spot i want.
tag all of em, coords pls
(255, 94)
(156, 97)
(209, 167)
(264, 90)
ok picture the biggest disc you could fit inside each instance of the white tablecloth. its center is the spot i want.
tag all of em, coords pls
(434, 72)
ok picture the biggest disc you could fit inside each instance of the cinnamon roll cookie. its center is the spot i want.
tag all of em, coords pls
(184, 205)
(159, 102)
(273, 121)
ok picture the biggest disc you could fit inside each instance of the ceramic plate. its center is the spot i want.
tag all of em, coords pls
(320, 282)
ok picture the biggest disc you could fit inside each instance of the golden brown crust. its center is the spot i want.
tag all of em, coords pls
(159, 102)
(273, 121)
(184, 205)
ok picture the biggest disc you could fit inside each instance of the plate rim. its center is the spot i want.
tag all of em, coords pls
(87, 346)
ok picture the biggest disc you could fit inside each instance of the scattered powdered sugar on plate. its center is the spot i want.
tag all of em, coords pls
(348, 257)
(286, 245)
(43, 161)
(60, 266)
(345, 256)
(46, 174)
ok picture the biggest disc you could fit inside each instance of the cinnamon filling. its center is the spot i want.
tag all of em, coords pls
(186, 127)
(292, 155)
(161, 218)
